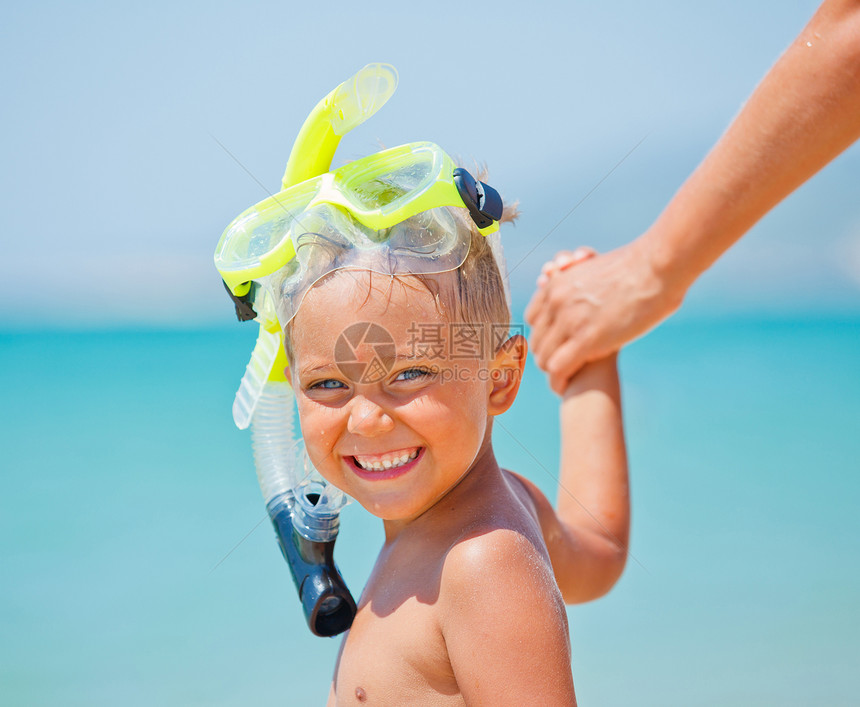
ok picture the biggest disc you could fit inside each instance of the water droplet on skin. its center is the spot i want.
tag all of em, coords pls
(809, 44)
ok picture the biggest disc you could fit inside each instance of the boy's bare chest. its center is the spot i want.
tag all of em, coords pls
(395, 653)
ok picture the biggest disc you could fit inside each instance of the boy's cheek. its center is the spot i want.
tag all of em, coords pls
(323, 460)
(319, 444)
(316, 440)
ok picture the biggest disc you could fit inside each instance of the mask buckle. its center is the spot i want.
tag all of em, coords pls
(484, 202)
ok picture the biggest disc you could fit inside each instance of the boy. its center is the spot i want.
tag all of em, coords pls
(353, 267)
(465, 604)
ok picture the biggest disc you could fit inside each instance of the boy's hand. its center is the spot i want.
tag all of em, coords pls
(562, 261)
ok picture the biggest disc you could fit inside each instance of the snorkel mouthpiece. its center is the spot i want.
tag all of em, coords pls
(304, 510)
(307, 542)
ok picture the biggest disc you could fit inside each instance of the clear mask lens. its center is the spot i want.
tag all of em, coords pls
(433, 241)
(389, 190)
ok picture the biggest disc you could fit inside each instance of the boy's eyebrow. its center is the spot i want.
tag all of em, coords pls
(410, 356)
(315, 369)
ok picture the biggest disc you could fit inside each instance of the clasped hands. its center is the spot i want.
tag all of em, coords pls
(587, 306)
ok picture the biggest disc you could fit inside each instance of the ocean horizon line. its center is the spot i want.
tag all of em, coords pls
(701, 315)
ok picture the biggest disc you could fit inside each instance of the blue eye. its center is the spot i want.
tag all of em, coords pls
(327, 384)
(411, 374)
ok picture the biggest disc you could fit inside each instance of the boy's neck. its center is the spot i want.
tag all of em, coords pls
(466, 498)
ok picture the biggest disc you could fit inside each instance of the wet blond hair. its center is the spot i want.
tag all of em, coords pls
(479, 296)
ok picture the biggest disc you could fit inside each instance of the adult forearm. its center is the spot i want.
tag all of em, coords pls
(803, 114)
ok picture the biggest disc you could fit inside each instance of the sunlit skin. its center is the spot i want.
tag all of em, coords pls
(465, 604)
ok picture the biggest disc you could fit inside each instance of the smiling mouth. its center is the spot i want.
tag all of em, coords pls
(386, 462)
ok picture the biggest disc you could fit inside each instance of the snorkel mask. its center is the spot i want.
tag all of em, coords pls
(389, 212)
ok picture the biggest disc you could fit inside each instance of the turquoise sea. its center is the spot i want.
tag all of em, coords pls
(138, 567)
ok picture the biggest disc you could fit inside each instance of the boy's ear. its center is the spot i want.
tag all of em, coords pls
(506, 372)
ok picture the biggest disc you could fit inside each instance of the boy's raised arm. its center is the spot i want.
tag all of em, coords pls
(587, 535)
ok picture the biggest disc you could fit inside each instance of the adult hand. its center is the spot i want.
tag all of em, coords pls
(584, 313)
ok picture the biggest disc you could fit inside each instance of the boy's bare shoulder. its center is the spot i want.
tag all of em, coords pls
(508, 561)
(502, 616)
(504, 623)
(503, 540)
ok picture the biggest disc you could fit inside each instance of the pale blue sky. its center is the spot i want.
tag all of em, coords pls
(115, 192)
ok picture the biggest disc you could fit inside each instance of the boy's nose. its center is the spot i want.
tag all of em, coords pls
(368, 419)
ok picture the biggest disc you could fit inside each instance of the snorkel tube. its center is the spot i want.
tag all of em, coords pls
(303, 508)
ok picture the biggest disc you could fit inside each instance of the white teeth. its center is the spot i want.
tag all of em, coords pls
(385, 464)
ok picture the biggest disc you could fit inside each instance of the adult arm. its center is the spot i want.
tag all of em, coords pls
(804, 113)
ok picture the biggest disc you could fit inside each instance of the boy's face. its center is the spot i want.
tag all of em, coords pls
(387, 413)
